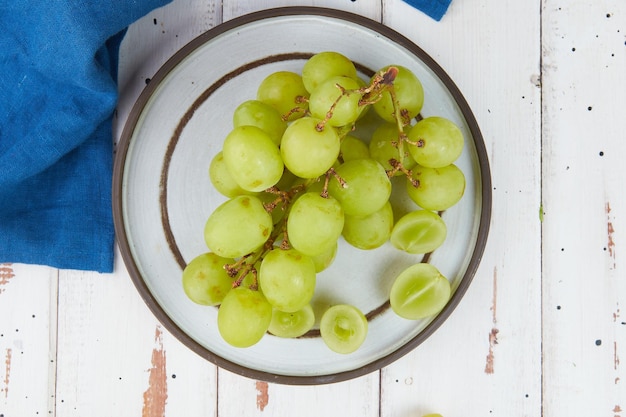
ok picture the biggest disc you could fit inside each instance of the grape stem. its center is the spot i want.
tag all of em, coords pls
(329, 114)
(396, 166)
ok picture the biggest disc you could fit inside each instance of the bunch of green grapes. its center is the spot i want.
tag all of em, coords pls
(298, 179)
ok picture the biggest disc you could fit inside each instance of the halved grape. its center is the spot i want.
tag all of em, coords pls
(314, 223)
(367, 187)
(243, 317)
(325, 65)
(328, 94)
(287, 279)
(238, 227)
(419, 291)
(307, 152)
(262, 115)
(441, 142)
(205, 280)
(438, 189)
(371, 231)
(252, 158)
(420, 231)
(409, 93)
(284, 90)
(293, 324)
(343, 328)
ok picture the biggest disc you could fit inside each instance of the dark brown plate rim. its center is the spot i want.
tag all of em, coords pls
(133, 270)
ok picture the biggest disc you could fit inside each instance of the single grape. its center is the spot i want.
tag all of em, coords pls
(287, 279)
(262, 115)
(284, 91)
(314, 223)
(325, 259)
(440, 142)
(328, 94)
(238, 227)
(371, 231)
(325, 65)
(384, 146)
(222, 179)
(307, 152)
(420, 231)
(293, 324)
(367, 187)
(243, 317)
(353, 148)
(438, 189)
(419, 291)
(252, 158)
(409, 93)
(205, 280)
(343, 328)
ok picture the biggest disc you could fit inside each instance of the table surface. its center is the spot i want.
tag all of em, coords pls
(540, 332)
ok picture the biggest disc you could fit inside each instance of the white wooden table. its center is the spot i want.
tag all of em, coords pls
(542, 329)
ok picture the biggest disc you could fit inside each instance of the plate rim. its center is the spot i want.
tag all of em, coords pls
(121, 152)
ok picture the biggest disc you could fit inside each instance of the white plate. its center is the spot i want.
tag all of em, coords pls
(162, 194)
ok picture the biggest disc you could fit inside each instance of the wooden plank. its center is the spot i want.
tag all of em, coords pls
(115, 358)
(27, 339)
(242, 396)
(584, 56)
(371, 9)
(486, 359)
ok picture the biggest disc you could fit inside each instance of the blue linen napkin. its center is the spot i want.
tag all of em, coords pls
(58, 70)
(433, 8)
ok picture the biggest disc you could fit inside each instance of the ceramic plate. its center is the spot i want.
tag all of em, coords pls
(162, 194)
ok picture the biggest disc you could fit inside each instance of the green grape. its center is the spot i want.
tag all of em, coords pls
(205, 280)
(293, 324)
(371, 231)
(409, 93)
(433, 415)
(325, 65)
(252, 158)
(284, 91)
(327, 94)
(384, 146)
(262, 115)
(325, 259)
(420, 231)
(441, 142)
(221, 178)
(353, 148)
(419, 291)
(343, 328)
(243, 317)
(314, 223)
(367, 187)
(238, 227)
(307, 152)
(438, 189)
(287, 279)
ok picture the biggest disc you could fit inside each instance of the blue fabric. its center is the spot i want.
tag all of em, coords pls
(433, 8)
(58, 69)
